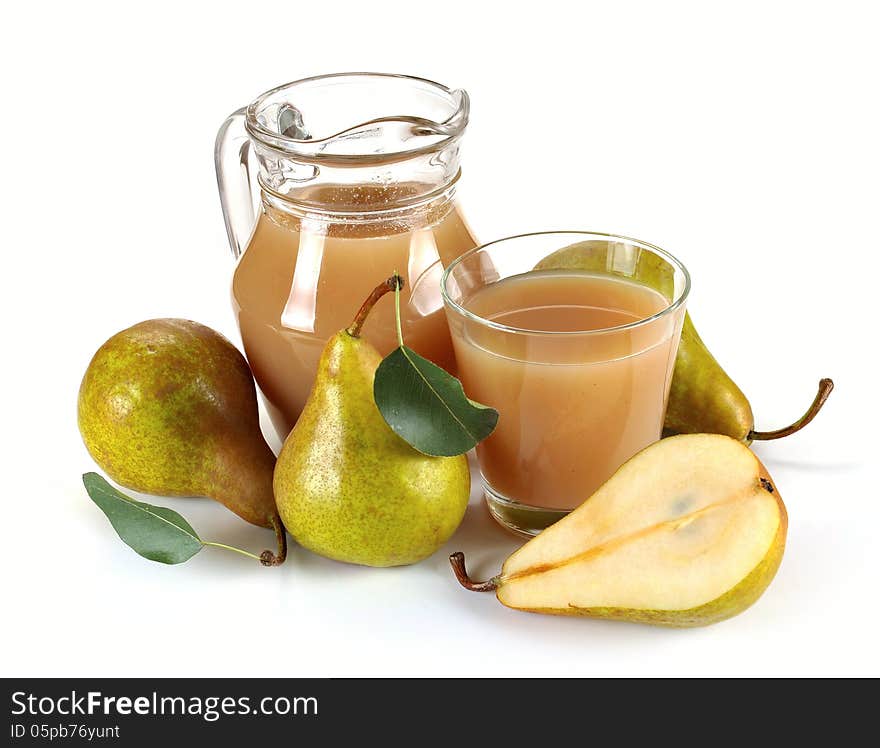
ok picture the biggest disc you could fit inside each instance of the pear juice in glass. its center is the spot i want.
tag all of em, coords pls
(572, 337)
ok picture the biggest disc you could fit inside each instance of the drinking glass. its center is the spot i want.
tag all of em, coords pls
(575, 349)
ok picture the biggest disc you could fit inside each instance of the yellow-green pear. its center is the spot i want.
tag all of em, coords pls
(169, 407)
(688, 532)
(702, 397)
(346, 485)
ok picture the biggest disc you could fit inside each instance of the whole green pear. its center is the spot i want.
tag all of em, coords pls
(346, 485)
(702, 397)
(169, 407)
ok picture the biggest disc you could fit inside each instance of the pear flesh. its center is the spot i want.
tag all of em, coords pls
(349, 488)
(169, 407)
(688, 532)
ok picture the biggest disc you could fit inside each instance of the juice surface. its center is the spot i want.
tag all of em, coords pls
(572, 407)
(301, 280)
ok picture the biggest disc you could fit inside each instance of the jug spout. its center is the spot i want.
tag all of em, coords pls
(394, 131)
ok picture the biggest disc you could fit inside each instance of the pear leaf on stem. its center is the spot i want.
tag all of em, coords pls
(425, 405)
(154, 532)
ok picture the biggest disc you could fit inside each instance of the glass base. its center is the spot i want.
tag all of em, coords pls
(521, 519)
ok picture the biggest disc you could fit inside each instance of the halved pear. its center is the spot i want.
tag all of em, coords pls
(688, 532)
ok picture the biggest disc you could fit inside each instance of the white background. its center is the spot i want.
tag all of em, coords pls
(744, 140)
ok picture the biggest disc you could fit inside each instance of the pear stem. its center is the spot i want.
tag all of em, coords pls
(397, 288)
(825, 387)
(395, 282)
(267, 558)
(456, 560)
(231, 548)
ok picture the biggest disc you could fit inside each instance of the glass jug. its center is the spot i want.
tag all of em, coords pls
(355, 179)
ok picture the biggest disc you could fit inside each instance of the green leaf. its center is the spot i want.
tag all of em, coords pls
(427, 407)
(156, 533)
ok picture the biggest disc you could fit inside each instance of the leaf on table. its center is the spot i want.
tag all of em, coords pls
(426, 406)
(156, 533)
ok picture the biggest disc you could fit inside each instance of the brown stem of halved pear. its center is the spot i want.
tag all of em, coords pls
(825, 387)
(456, 560)
(267, 558)
(391, 284)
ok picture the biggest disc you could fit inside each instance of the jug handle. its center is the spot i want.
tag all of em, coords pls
(239, 192)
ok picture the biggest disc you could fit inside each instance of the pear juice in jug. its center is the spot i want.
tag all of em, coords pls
(302, 279)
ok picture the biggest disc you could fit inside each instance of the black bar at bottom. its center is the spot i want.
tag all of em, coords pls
(552, 712)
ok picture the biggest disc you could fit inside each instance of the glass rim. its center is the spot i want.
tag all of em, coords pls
(452, 127)
(671, 307)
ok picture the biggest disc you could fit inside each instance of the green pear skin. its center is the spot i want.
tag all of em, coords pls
(702, 397)
(169, 407)
(348, 488)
